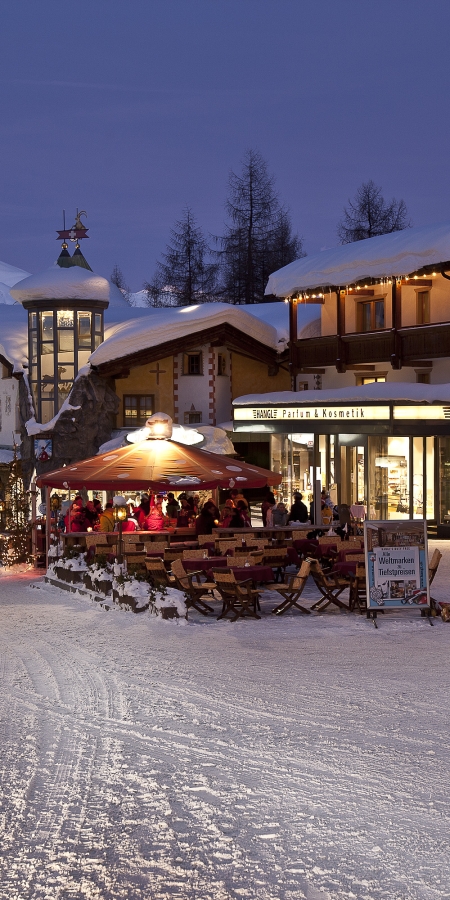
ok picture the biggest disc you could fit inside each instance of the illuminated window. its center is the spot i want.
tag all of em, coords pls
(137, 408)
(370, 315)
(370, 379)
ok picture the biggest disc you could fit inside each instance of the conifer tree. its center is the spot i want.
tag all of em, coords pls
(368, 215)
(15, 543)
(185, 275)
(258, 239)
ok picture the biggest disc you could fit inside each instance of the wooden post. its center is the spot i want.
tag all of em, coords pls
(48, 523)
(293, 337)
(33, 490)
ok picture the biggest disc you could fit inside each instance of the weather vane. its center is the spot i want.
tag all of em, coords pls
(78, 230)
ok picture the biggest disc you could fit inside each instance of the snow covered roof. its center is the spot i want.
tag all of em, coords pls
(170, 323)
(10, 275)
(379, 391)
(14, 335)
(74, 283)
(399, 253)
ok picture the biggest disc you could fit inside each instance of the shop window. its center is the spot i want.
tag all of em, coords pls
(137, 408)
(423, 307)
(221, 364)
(370, 315)
(370, 379)
(423, 377)
(192, 364)
(302, 386)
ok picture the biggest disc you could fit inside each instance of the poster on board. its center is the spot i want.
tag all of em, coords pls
(396, 565)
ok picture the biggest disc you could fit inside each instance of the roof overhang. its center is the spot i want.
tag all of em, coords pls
(221, 335)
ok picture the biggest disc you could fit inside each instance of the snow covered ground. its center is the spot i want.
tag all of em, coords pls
(301, 757)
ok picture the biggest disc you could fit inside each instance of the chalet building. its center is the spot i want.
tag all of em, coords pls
(80, 367)
(378, 433)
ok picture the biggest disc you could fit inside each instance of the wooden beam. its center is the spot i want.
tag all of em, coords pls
(307, 371)
(361, 367)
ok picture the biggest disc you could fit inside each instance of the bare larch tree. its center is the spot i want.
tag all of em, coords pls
(369, 215)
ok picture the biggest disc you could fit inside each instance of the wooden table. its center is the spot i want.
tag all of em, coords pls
(204, 565)
(241, 573)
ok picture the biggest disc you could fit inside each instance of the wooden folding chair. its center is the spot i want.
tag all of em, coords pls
(193, 587)
(155, 547)
(193, 554)
(277, 558)
(223, 546)
(292, 590)
(170, 555)
(158, 573)
(358, 593)
(330, 585)
(432, 569)
(238, 597)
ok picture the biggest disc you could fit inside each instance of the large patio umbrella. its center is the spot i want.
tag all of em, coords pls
(160, 464)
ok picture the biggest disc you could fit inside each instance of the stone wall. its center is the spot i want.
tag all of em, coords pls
(78, 433)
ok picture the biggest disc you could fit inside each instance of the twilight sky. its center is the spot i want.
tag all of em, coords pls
(133, 109)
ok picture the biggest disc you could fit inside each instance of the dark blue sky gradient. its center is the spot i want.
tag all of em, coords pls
(132, 110)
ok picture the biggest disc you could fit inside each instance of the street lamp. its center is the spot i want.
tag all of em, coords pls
(120, 514)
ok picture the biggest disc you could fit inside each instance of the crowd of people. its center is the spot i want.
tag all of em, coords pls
(155, 512)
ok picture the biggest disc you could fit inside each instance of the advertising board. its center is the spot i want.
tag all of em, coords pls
(396, 565)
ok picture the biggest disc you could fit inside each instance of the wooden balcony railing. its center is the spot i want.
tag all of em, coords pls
(409, 344)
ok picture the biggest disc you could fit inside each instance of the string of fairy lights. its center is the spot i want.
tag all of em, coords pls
(402, 280)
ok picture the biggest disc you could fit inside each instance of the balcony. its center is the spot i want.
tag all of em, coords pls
(410, 344)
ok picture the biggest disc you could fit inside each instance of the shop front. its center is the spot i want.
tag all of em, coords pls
(390, 455)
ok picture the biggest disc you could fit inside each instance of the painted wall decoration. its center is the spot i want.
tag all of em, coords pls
(43, 448)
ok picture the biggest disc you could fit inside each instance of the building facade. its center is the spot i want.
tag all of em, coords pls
(384, 349)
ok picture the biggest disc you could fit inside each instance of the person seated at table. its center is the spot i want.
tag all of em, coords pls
(267, 504)
(92, 517)
(299, 511)
(78, 521)
(172, 506)
(227, 513)
(240, 518)
(142, 510)
(155, 520)
(206, 520)
(238, 495)
(185, 513)
(107, 518)
(279, 514)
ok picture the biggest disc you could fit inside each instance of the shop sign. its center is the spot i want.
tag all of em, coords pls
(396, 565)
(422, 412)
(43, 449)
(280, 413)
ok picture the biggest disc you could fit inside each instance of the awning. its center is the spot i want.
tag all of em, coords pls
(160, 465)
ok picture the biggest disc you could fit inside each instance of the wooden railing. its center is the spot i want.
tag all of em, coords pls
(413, 344)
